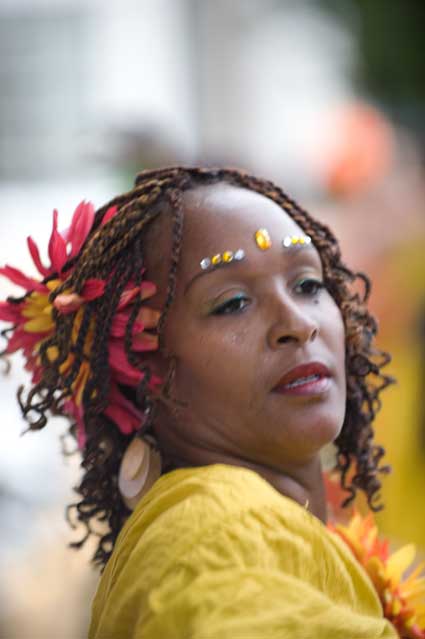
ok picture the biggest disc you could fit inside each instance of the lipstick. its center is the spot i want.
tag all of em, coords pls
(308, 379)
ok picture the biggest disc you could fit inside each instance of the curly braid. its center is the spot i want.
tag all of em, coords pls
(114, 252)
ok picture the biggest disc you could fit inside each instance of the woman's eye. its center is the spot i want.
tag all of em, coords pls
(234, 305)
(309, 286)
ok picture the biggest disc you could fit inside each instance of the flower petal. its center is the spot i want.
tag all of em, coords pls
(109, 214)
(36, 304)
(57, 246)
(124, 371)
(10, 312)
(53, 285)
(415, 588)
(122, 419)
(17, 277)
(415, 573)
(92, 289)
(154, 382)
(149, 317)
(399, 561)
(67, 303)
(40, 324)
(81, 224)
(119, 325)
(123, 412)
(417, 632)
(148, 289)
(21, 339)
(35, 254)
(145, 342)
(127, 296)
(80, 383)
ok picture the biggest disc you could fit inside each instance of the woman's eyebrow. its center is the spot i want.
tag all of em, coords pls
(291, 253)
(196, 276)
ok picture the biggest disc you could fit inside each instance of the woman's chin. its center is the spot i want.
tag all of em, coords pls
(308, 441)
(323, 433)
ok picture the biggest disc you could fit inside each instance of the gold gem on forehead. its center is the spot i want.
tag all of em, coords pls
(221, 258)
(296, 240)
(262, 239)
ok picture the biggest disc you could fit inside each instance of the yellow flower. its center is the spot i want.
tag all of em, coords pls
(403, 601)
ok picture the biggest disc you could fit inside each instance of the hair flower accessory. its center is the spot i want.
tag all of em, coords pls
(36, 314)
(403, 600)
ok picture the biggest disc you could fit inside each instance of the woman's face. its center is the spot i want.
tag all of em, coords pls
(238, 330)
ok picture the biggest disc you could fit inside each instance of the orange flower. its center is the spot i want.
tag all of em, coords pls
(403, 600)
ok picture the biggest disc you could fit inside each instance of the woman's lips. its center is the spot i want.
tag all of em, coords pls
(308, 379)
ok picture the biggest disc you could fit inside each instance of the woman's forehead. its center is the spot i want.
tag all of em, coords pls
(222, 217)
(216, 218)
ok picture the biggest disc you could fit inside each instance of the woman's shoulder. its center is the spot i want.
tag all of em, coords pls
(205, 537)
(219, 516)
(196, 498)
(189, 509)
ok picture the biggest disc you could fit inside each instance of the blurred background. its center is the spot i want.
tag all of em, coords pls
(326, 97)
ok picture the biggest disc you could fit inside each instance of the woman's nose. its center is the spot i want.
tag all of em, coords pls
(292, 323)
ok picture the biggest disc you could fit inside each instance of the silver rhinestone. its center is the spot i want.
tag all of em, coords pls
(287, 241)
(307, 239)
(239, 255)
(205, 263)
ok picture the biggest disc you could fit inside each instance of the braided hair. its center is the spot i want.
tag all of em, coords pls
(114, 252)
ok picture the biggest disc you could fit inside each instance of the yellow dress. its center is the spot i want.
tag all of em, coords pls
(217, 553)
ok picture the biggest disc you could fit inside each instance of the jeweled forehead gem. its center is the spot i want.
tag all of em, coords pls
(262, 239)
(221, 258)
(296, 240)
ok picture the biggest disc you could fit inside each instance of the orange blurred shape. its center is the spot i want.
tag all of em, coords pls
(360, 152)
(335, 495)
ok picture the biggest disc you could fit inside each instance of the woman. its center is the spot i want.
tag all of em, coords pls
(203, 333)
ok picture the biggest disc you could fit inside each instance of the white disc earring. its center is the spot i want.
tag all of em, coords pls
(139, 470)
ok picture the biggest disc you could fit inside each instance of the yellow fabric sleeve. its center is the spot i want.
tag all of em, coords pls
(216, 553)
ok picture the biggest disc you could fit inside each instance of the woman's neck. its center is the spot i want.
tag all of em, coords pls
(304, 485)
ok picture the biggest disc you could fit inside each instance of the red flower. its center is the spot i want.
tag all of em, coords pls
(33, 321)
